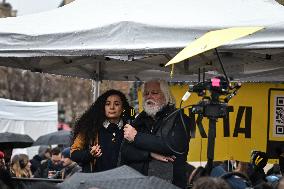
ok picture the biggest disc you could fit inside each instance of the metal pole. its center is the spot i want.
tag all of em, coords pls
(211, 144)
(96, 82)
(222, 66)
(96, 89)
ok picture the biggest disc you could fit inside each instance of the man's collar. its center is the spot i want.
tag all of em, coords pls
(119, 124)
(165, 110)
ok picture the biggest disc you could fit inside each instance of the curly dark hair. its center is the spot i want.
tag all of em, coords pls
(92, 119)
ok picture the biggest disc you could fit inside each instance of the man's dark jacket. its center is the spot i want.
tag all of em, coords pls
(35, 163)
(164, 135)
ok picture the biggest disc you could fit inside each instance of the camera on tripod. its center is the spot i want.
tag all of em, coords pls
(207, 109)
(212, 106)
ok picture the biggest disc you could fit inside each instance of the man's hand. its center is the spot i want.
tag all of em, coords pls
(129, 132)
(162, 157)
(96, 151)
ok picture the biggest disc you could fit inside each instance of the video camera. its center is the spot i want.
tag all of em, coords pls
(211, 106)
(218, 85)
(210, 110)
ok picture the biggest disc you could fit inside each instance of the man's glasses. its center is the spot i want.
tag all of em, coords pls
(153, 92)
(56, 161)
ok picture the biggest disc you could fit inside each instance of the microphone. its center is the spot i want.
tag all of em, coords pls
(128, 115)
(186, 96)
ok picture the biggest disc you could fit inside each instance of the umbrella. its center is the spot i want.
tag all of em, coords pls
(13, 140)
(58, 137)
(121, 177)
(212, 40)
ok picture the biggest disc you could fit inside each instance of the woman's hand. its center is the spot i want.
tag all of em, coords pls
(129, 132)
(96, 151)
(162, 157)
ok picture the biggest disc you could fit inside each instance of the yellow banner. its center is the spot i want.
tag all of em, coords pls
(255, 122)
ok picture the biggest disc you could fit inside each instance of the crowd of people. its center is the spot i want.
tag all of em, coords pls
(238, 175)
(155, 143)
(48, 163)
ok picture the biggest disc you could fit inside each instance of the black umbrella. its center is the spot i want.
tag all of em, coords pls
(13, 140)
(58, 137)
(121, 177)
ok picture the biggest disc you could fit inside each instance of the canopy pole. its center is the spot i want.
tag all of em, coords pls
(96, 89)
(222, 66)
(96, 82)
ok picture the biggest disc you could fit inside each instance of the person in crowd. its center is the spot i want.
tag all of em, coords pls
(20, 166)
(189, 169)
(44, 153)
(7, 157)
(14, 166)
(229, 165)
(157, 141)
(258, 161)
(198, 172)
(5, 179)
(244, 168)
(236, 179)
(70, 167)
(5, 176)
(264, 185)
(210, 182)
(280, 153)
(280, 185)
(274, 170)
(2, 160)
(50, 168)
(98, 133)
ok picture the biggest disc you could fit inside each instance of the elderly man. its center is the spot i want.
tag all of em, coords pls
(157, 143)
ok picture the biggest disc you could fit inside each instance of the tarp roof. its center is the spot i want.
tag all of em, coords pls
(132, 40)
(31, 111)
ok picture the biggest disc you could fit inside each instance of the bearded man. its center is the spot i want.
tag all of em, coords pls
(157, 143)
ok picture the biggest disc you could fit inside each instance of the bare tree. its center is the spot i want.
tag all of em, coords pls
(73, 95)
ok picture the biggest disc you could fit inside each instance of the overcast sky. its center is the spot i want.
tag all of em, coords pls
(33, 6)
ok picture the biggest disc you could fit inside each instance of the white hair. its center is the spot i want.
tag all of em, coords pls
(164, 88)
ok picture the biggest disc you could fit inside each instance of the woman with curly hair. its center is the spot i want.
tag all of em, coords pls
(98, 133)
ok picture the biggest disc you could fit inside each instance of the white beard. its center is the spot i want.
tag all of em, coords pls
(152, 109)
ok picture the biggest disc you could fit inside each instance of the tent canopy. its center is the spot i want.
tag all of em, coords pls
(31, 118)
(28, 111)
(127, 40)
